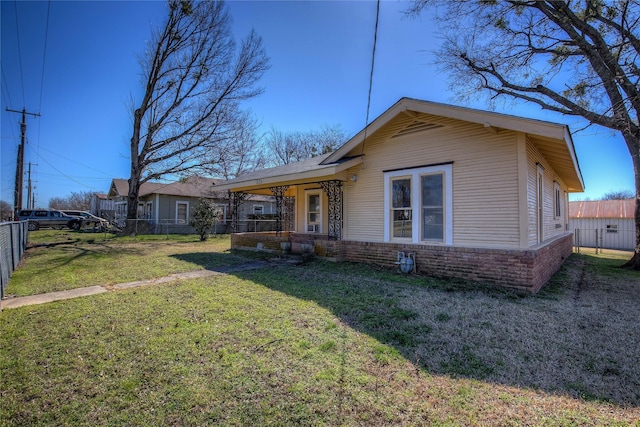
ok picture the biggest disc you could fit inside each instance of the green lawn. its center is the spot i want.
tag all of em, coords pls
(58, 260)
(321, 344)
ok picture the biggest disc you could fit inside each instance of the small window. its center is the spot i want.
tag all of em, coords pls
(433, 207)
(314, 212)
(40, 213)
(401, 211)
(182, 212)
(223, 213)
(258, 209)
(557, 201)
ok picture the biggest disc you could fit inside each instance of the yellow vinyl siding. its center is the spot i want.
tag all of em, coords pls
(485, 184)
(552, 227)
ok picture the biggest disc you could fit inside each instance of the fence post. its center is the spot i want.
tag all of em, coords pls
(596, 241)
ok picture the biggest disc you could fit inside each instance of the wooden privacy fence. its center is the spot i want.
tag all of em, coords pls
(14, 237)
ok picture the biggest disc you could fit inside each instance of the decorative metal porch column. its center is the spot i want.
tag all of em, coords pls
(236, 201)
(288, 209)
(334, 194)
(279, 193)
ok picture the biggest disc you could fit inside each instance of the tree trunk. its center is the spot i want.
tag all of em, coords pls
(634, 262)
(634, 147)
(134, 178)
(131, 228)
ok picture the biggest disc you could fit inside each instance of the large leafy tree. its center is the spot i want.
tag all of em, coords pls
(575, 57)
(195, 79)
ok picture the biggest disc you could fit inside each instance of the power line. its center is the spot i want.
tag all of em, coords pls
(15, 10)
(373, 61)
(73, 161)
(44, 54)
(6, 87)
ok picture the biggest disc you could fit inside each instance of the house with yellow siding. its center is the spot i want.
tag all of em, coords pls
(450, 191)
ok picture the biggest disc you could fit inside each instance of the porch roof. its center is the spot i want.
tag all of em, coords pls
(306, 171)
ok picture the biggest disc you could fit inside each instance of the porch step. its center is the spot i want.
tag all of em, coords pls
(291, 259)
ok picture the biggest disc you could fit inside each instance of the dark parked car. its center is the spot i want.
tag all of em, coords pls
(53, 218)
(89, 219)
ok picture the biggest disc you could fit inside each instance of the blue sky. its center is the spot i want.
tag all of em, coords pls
(79, 70)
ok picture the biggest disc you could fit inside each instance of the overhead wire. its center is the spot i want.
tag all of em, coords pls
(44, 58)
(373, 61)
(8, 101)
(44, 54)
(15, 10)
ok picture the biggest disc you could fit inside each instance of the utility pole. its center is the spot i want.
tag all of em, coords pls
(17, 201)
(31, 198)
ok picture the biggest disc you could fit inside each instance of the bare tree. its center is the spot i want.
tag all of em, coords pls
(195, 78)
(80, 201)
(6, 211)
(618, 195)
(575, 57)
(285, 148)
(236, 156)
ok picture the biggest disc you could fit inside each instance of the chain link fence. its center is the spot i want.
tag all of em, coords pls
(604, 238)
(14, 237)
(171, 226)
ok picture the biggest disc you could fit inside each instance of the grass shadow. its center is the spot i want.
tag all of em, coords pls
(552, 342)
(214, 261)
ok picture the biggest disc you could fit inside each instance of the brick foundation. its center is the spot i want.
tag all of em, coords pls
(526, 269)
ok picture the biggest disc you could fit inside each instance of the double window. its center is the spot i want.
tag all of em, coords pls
(419, 204)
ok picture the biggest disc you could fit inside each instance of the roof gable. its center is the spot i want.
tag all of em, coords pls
(552, 139)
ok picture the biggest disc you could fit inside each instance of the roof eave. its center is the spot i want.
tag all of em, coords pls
(312, 175)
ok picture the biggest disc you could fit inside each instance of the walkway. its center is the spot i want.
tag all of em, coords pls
(94, 290)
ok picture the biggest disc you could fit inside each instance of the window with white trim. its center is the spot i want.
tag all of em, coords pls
(182, 212)
(418, 205)
(313, 211)
(401, 212)
(258, 209)
(223, 213)
(432, 187)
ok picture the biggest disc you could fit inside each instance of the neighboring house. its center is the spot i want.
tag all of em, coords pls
(101, 205)
(471, 194)
(611, 222)
(167, 207)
